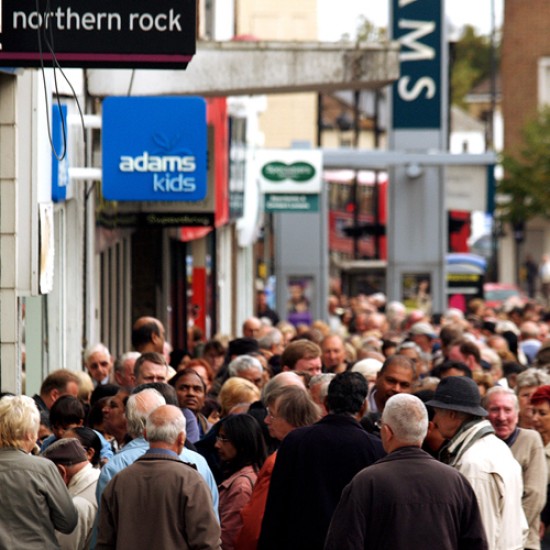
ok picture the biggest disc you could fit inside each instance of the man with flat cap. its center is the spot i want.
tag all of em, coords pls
(485, 460)
(80, 477)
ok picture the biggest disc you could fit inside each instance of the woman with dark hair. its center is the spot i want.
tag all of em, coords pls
(90, 441)
(288, 408)
(241, 448)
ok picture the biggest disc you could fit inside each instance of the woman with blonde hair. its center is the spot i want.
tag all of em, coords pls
(35, 499)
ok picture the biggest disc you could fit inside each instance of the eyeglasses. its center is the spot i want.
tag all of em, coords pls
(271, 416)
(221, 439)
(99, 364)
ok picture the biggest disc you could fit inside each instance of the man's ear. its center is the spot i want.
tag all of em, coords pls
(364, 409)
(63, 473)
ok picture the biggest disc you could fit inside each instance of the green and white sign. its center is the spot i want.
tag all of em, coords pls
(289, 171)
(279, 202)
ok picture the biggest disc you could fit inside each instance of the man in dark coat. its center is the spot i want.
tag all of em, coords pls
(407, 499)
(313, 465)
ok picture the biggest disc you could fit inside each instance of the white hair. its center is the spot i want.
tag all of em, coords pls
(97, 348)
(165, 424)
(502, 390)
(407, 417)
(244, 362)
(19, 419)
(139, 406)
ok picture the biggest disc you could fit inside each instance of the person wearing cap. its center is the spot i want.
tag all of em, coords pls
(80, 477)
(407, 499)
(423, 334)
(485, 460)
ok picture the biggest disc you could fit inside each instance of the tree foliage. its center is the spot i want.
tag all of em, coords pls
(471, 63)
(525, 188)
(367, 31)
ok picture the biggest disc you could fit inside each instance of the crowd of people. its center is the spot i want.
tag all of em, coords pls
(379, 428)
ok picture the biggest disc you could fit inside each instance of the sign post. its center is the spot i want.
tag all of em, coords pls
(417, 220)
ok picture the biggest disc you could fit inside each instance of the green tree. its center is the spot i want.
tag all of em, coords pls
(367, 31)
(525, 188)
(471, 63)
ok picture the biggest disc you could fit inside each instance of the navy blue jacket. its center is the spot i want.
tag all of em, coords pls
(313, 466)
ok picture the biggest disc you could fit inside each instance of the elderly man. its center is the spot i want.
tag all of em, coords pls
(252, 328)
(313, 465)
(80, 477)
(148, 335)
(98, 362)
(248, 367)
(527, 448)
(334, 354)
(124, 370)
(35, 500)
(138, 407)
(174, 507)
(150, 367)
(488, 464)
(407, 499)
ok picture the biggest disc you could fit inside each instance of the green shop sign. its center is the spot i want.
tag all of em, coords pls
(280, 171)
(275, 202)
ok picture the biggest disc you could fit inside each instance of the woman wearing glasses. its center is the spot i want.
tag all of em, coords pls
(288, 408)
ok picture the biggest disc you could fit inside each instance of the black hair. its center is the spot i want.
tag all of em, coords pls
(245, 434)
(347, 393)
(448, 365)
(425, 396)
(144, 334)
(184, 372)
(103, 390)
(66, 410)
(95, 415)
(89, 440)
(211, 405)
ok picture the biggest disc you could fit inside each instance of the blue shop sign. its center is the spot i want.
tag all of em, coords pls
(60, 162)
(154, 148)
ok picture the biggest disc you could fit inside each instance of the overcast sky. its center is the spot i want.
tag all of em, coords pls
(341, 16)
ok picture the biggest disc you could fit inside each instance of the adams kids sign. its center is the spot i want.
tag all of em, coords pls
(154, 149)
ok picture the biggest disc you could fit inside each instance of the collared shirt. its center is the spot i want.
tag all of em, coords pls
(136, 448)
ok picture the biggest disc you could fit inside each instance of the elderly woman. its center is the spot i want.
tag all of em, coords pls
(527, 382)
(288, 408)
(35, 500)
(540, 401)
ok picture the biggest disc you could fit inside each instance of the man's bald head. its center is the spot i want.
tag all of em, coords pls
(148, 335)
(165, 424)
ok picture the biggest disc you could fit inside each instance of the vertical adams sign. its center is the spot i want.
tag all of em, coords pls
(417, 95)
